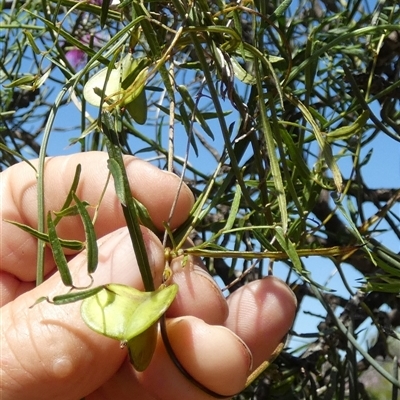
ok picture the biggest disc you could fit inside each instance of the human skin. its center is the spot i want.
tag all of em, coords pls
(47, 352)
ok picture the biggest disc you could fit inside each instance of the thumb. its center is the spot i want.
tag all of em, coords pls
(47, 351)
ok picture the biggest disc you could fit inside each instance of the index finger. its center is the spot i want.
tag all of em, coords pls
(154, 188)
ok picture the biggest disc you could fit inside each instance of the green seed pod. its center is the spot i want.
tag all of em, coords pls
(126, 314)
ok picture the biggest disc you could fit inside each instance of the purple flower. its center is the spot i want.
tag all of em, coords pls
(76, 57)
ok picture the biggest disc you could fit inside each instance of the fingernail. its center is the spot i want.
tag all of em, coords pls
(246, 349)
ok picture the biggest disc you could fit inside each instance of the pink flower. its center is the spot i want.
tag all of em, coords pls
(76, 57)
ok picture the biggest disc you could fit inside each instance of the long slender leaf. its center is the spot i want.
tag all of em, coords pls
(68, 200)
(273, 160)
(92, 255)
(234, 209)
(129, 209)
(67, 244)
(58, 253)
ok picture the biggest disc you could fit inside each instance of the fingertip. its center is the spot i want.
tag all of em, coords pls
(198, 295)
(261, 313)
(214, 356)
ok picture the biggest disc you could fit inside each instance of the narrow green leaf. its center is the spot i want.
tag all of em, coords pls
(72, 297)
(177, 117)
(68, 244)
(74, 186)
(320, 118)
(186, 123)
(69, 211)
(144, 216)
(383, 287)
(242, 74)
(58, 254)
(366, 159)
(105, 5)
(280, 9)
(116, 173)
(347, 132)
(259, 56)
(354, 229)
(92, 254)
(295, 155)
(390, 269)
(234, 208)
(386, 259)
(324, 145)
(65, 208)
(16, 154)
(213, 115)
(31, 41)
(270, 144)
(39, 300)
(24, 80)
(42, 79)
(129, 210)
(289, 248)
(154, 88)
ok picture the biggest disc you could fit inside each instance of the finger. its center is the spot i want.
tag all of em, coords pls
(261, 313)
(198, 295)
(122, 386)
(152, 187)
(213, 355)
(47, 351)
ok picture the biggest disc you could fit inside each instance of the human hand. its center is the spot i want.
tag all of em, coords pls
(47, 352)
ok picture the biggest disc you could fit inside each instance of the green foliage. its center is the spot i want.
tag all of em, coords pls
(279, 100)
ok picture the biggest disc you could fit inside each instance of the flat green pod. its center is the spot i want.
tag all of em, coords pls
(125, 83)
(122, 312)
(98, 81)
(137, 108)
(141, 348)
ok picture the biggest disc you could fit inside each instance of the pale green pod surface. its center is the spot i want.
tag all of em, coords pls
(127, 82)
(97, 81)
(122, 312)
(128, 65)
(134, 84)
(141, 348)
(125, 67)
